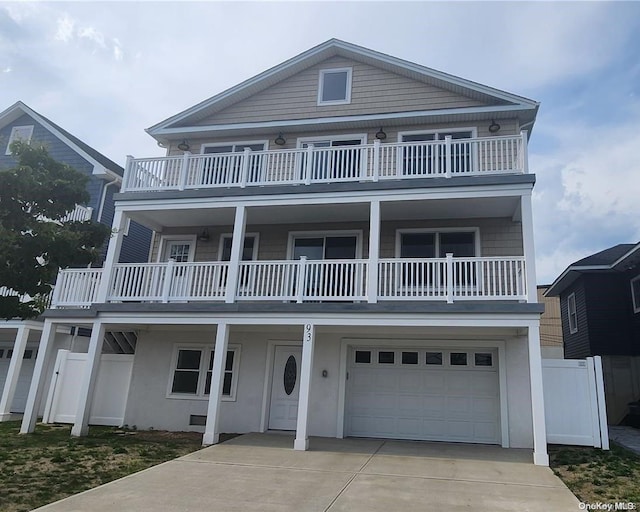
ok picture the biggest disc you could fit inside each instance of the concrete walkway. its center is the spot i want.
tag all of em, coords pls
(260, 472)
(628, 437)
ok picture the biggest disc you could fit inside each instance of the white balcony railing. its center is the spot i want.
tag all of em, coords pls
(446, 279)
(367, 162)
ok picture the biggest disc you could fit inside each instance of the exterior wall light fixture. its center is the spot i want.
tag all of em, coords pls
(381, 135)
(280, 140)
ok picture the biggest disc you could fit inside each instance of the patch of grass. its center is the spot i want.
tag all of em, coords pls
(598, 476)
(48, 465)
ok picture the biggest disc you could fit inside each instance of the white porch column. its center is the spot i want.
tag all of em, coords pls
(529, 247)
(237, 244)
(113, 254)
(374, 251)
(540, 455)
(211, 430)
(37, 381)
(306, 368)
(11, 382)
(89, 378)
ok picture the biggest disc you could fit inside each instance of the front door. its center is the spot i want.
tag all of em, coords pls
(283, 412)
(180, 251)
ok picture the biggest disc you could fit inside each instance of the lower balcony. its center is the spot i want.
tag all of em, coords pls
(434, 279)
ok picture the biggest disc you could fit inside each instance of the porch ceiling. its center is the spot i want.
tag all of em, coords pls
(331, 212)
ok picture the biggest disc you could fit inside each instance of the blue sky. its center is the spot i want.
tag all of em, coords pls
(105, 71)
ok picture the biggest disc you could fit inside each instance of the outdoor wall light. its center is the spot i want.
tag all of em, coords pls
(494, 127)
(325, 373)
(204, 235)
(381, 135)
(280, 140)
(184, 146)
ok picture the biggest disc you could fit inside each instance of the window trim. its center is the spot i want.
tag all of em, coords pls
(347, 100)
(324, 233)
(205, 352)
(472, 129)
(12, 136)
(165, 239)
(635, 300)
(264, 142)
(572, 298)
(437, 231)
(256, 237)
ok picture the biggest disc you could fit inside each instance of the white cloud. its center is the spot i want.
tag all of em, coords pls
(65, 29)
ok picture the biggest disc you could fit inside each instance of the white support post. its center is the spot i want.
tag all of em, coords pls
(246, 158)
(540, 455)
(169, 272)
(211, 431)
(184, 170)
(89, 378)
(449, 271)
(447, 156)
(374, 251)
(301, 279)
(529, 247)
(11, 382)
(602, 406)
(376, 160)
(113, 253)
(237, 244)
(128, 171)
(306, 368)
(525, 152)
(37, 380)
(307, 174)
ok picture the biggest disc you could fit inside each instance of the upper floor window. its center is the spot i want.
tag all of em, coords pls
(22, 133)
(334, 87)
(635, 293)
(421, 158)
(572, 313)
(436, 244)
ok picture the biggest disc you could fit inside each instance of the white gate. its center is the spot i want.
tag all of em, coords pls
(110, 392)
(574, 404)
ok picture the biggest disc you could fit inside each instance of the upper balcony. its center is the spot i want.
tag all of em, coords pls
(305, 166)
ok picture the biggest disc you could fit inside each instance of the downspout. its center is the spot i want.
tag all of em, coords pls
(104, 198)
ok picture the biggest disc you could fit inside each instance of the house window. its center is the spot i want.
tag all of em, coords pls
(635, 293)
(328, 164)
(192, 369)
(425, 159)
(363, 356)
(572, 313)
(334, 86)
(227, 168)
(336, 247)
(249, 250)
(458, 359)
(434, 358)
(22, 133)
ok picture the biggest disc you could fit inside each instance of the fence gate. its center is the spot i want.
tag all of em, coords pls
(574, 403)
(110, 392)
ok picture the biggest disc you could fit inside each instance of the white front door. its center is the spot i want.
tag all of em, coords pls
(285, 386)
(180, 251)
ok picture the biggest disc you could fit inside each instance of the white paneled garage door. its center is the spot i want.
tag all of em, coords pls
(428, 394)
(24, 380)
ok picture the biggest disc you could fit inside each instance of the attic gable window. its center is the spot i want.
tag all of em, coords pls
(22, 133)
(334, 87)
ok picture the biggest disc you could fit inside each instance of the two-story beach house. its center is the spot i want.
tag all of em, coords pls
(344, 248)
(19, 338)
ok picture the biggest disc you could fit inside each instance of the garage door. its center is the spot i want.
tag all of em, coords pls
(427, 394)
(24, 380)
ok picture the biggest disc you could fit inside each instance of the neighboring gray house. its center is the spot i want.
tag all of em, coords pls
(105, 179)
(344, 248)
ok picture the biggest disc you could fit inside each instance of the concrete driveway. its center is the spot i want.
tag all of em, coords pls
(260, 472)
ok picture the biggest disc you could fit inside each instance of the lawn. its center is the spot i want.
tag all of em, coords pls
(48, 465)
(598, 476)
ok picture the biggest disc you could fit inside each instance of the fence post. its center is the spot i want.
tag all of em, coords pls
(449, 278)
(376, 160)
(447, 156)
(184, 170)
(168, 279)
(602, 406)
(525, 152)
(246, 156)
(302, 278)
(57, 287)
(307, 174)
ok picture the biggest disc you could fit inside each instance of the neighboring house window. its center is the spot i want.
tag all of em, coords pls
(572, 313)
(192, 369)
(22, 133)
(635, 293)
(334, 86)
(425, 159)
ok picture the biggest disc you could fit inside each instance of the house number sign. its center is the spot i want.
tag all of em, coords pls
(308, 332)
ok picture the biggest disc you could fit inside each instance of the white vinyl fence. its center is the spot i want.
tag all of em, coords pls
(574, 403)
(110, 393)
